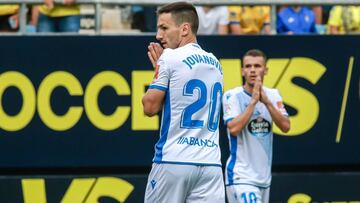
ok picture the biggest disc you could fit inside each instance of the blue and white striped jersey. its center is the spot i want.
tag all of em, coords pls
(193, 81)
(251, 150)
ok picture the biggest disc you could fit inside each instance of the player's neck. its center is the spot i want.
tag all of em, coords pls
(249, 88)
(188, 40)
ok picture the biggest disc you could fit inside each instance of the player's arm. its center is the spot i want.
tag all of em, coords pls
(240, 121)
(154, 96)
(154, 52)
(279, 119)
(153, 101)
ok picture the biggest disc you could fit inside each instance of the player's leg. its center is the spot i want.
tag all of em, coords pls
(209, 187)
(168, 183)
(244, 194)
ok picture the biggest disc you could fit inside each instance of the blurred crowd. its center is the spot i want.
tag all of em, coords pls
(221, 20)
(49, 17)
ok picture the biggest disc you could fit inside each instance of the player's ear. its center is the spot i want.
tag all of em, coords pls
(185, 29)
(266, 70)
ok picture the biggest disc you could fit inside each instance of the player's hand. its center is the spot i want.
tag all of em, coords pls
(154, 52)
(263, 97)
(256, 91)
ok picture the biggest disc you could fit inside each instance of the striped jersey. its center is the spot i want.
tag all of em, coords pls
(251, 150)
(193, 81)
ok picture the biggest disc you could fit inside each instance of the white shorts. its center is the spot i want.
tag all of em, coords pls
(243, 193)
(178, 183)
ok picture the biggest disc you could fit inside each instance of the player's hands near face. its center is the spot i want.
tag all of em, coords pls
(256, 91)
(154, 52)
(263, 97)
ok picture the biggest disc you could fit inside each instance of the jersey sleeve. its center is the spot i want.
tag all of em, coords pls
(231, 106)
(162, 76)
(234, 14)
(278, 103)
(335, 16)
(224, 15)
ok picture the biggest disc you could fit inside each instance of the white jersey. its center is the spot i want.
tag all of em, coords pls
(193, 81)
(251, 150)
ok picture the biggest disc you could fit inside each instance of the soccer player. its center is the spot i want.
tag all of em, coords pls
(187, 87)
(249, 112)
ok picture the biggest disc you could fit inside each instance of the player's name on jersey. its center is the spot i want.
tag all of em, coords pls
(197, 142)
(193, 59)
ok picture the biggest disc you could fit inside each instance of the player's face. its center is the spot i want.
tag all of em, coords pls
(168, 32)
(253, 67)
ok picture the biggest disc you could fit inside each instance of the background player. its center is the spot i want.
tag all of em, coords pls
(249, 112)
(188, 87)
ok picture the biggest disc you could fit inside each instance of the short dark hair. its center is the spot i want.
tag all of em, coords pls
(256, 52)
(182, 12)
